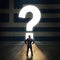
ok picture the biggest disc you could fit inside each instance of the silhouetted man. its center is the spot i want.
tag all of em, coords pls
(29, 42)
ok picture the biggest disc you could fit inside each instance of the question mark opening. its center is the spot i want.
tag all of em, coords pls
(35, 19)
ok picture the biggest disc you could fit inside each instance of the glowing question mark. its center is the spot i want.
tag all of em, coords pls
(35, 19)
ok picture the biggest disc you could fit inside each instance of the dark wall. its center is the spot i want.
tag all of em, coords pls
(13, 28)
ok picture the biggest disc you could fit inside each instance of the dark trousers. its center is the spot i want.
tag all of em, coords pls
(30, 50)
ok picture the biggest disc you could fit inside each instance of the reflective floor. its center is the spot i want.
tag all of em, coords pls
(41, 51)
(37, 54)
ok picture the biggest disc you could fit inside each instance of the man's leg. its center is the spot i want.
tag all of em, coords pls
(27, 51)
(31, 51)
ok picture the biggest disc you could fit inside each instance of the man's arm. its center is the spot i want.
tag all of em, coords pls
(25, 41)
(33, 41)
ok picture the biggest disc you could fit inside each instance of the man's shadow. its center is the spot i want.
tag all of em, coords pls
(29, 58)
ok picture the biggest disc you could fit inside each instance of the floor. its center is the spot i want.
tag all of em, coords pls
(16, 50)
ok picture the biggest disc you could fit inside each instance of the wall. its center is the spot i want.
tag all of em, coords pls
(13, 28)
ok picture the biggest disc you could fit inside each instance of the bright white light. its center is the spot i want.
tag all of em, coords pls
(36, 16)
(27, 34)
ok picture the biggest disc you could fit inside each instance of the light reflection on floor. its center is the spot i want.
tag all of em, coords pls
(37, 54)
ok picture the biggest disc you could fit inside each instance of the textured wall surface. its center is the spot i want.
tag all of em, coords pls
(13, 28)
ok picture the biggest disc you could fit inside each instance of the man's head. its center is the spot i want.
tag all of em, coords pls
(29, 36)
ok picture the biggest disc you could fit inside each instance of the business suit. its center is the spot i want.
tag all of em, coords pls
(29, 41)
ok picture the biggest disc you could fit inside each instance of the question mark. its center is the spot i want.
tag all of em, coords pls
(35, 19)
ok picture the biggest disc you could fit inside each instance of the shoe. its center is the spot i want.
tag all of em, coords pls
(26, 55)
(32, 54)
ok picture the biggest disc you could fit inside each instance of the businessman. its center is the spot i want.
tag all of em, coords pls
(29, 42)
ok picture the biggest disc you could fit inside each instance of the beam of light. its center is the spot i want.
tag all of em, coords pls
(37, 54)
